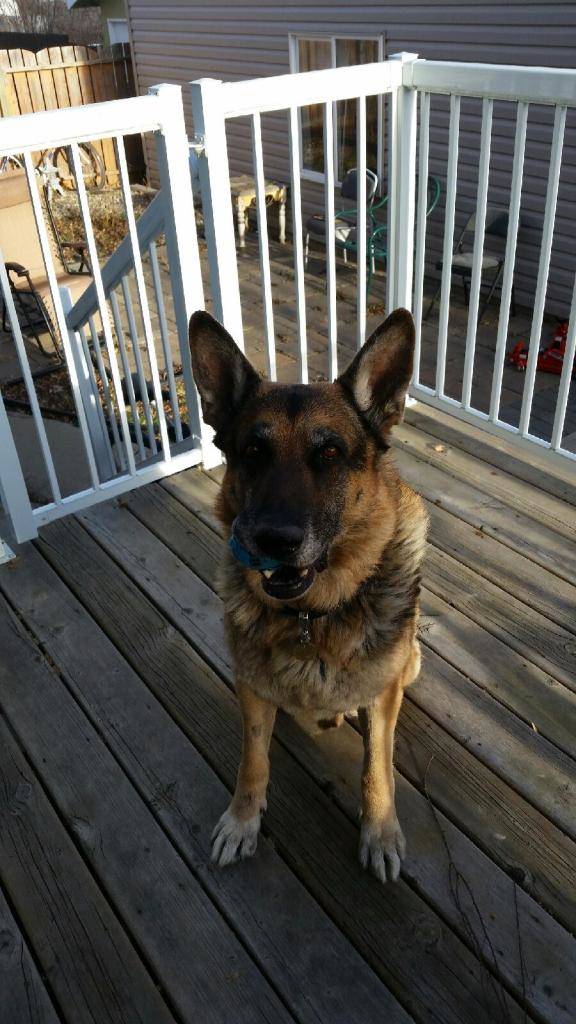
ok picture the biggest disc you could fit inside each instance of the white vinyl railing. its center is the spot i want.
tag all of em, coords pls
(522, 87)
(215, 103)
(123, 447)
(120, 405)
(410, 84)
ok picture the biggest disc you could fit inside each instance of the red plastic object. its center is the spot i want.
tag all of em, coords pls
(550, 359)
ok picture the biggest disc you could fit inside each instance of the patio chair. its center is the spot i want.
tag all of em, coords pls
(73, 253)
(345, 220)
(21, 251)
(376, 231)
(378, 240)
(492, 261)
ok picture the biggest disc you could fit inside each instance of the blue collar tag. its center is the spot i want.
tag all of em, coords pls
(242, 555)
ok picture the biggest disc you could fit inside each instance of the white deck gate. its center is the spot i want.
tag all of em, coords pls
(99, 340)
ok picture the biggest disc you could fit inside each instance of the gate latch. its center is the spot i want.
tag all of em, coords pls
(198, 144)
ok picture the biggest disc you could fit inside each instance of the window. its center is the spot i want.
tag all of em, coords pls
(317, 54)
(118, 31)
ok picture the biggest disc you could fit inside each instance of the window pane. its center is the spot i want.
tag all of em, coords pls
(356, 51)
(313, 55)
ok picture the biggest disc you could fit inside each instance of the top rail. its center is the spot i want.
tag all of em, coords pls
(494, 81)
(285, 91)
(49, 128)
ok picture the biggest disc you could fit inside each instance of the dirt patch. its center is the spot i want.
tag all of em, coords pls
(107, 213)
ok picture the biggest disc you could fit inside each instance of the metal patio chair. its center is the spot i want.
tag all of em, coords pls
(496, 229)
(377, 242)
(345, 221)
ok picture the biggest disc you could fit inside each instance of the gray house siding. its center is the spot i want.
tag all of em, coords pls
(183, 40)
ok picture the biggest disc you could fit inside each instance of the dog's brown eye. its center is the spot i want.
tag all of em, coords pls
(330, 451)
(252, 450)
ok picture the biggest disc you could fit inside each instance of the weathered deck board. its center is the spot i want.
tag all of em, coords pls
(23, 995)
(549, 968)
(185, 794)
(321, 847)
(542, 702)
(493, 450)
(536, 503)
(515, 529)
(510, 570)
(93, 969)
(531, 634)
(192, 950)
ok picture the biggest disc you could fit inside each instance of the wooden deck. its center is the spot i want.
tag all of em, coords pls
(119, 740)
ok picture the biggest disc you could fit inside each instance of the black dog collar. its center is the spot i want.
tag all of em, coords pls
(304, 620)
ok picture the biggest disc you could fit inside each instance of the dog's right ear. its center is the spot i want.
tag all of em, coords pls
(223, 375)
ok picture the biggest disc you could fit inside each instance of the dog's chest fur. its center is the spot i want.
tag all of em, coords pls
(355, 650)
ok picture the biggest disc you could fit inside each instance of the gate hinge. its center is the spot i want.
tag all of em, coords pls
(198, 144)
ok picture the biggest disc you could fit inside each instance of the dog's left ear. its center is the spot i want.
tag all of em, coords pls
(223, 375)
(378, 377)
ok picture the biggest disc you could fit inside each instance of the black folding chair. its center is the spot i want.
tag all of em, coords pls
(496, 230)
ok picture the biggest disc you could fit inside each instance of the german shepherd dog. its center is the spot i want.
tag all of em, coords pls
(322, 575)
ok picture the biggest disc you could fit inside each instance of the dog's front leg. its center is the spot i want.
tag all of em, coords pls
(236, 834)
(382, 844)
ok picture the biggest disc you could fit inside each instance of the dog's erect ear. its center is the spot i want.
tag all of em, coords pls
(378, 377)
(223, 375)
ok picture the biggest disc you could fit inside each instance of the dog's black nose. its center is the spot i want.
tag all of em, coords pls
(279, 541)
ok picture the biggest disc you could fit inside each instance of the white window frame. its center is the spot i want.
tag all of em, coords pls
(374, 37)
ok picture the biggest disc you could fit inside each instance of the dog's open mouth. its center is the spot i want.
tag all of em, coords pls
(288, 581)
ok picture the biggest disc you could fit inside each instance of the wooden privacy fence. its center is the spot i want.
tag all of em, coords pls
(70, 76)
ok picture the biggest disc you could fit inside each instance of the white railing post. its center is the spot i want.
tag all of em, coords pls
(214, 173)
(13, 491)
(182, 246)
(90, 398)
(403, 187)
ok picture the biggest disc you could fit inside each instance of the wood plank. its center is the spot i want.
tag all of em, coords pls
(495, 451)
(23, 996)
(510, 570)
(101, 91)
(544, 704)
(94, 971)
(321, 844)
(197, 492)
(497, 519)
(534, 637)
(59, 76)
(539, 700)
(20, 83)
(179, 677)
(517, 754)
(485, 808)
(34, 81)
(191, 949)
(552, 512)
(47, 80)
(72, 78)
(185, 795)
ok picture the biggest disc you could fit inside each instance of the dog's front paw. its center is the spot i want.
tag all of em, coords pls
(233, 839)
(382, 848)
